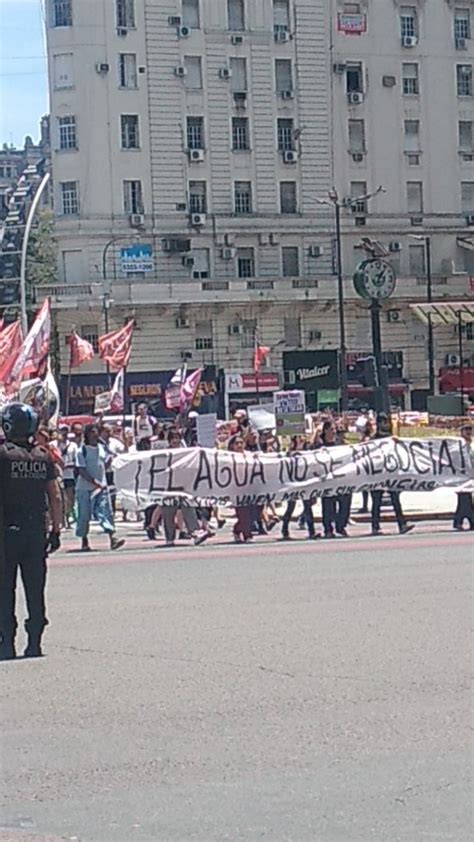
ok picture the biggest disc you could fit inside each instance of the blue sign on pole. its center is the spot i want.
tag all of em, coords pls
(137, 258)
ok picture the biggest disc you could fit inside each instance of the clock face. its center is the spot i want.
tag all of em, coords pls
(375, 279)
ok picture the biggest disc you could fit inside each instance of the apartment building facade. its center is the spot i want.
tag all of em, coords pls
(195, 143)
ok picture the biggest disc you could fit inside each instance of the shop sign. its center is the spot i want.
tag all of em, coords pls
(311, 370)
(351, 24)
(137, 258)
(239, 383)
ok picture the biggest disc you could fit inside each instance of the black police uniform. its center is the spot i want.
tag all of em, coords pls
(24, 474)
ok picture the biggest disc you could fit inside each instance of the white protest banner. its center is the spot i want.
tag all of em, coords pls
(262, 416)
(206, 427)
(290, 409)
(192, 475)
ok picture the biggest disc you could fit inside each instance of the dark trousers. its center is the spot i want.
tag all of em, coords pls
(377, 504)
(244, 522)
(307, 517)
(336, 512)
(464, 511)
(24, 551)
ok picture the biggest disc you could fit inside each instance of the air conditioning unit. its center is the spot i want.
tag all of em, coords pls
(137, 220)
(102, 68)
(339, 68)
(470, 219)
(188, 262)
(290, 156)
(180, 71)
(282, 36)
(227, 253)
(357, 157)
(417, 220)
(452, 360)
(461, 44)
(389, 81)
(196, 155)
(314, 335)
(393, 316)
(237, 40)
(263, 239)
(315, 251)
(142, 69)
(394, 246)
(184, 31)
(235, 330)
(225, 73)
(355, 98)
(181, 206)
(409, 41)
(182, 323)
(198, 219)
(274, 239)
(289, 94)
(186, 355)
(121, 31)
(175, 245)
(174, 20)
(240, 99)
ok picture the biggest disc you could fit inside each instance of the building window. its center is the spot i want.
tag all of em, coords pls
(67, 132)
(467, 196)
(197, 197)
(356, 136)
(202, 264)
(236, 15)
(245, 263)
(195, 132)
(248, 337)
(125, 14)
(410, 79)
(203, 336)
(290, 261)
(416, 257)
(412, 135)
(408, 22)
(240, 133)
(358, 193)
(462, 24)
(127, 70)
(238, 70)
(62, 12)
(63, 76)
(281, 15)
(285, 135)
(465, 135)
(354, 78)
(193, 78)
(464, 79)
(129, 132)
(190, 15)
(292, 331)
(132, 196)
(283, 75)
(72, 266)
(69, 198)
(242, 197)
(91, 334)
(288, 203)
(414, 196)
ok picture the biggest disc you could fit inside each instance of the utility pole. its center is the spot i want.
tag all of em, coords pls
(429, 297)
(340, 305)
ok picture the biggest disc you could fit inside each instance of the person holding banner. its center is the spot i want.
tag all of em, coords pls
(383, 430)
(334, 510)
(92, 493)
(298, 445)
(465, 508)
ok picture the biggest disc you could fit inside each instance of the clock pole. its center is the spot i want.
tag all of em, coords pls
(340, 302)
(382, 401)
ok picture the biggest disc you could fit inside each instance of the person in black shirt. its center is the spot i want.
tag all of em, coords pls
(27, 484)
(383, 431)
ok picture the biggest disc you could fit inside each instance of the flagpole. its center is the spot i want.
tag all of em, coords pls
(69, 379)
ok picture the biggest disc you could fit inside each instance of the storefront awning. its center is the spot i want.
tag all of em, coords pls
(355, 389)
(444, 313)
(466, 243)
(451, 380)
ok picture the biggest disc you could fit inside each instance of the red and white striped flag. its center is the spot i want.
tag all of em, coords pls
(11, 338)
(32, 357)
(189, 388)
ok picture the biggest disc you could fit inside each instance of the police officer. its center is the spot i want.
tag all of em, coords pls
(27, 485)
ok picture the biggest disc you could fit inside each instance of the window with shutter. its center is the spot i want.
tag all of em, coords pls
(193, 78)
(283, 75)
(288, 203)
(238, 69)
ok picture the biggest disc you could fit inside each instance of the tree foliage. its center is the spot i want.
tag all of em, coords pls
(42, 261)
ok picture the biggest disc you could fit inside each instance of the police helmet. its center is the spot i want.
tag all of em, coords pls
(19, 422)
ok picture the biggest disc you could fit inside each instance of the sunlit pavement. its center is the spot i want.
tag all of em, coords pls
(302, 691)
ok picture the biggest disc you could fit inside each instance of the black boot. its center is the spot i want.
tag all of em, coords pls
(33, 649)
(7, 647)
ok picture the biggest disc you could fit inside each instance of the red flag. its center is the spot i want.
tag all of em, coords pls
(260, 355)
(11, 338)
(115, 347)
(189, 388)
(81, 350)
(32, 357)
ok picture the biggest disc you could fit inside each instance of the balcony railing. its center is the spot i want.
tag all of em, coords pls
(66, 292)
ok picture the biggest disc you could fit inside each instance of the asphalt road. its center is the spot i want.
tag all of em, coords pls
(281, 692)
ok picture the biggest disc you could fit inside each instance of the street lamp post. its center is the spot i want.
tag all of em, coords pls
(24, 251)
(429, 298)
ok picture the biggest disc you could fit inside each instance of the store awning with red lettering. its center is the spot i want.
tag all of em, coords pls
(355, 389)
(451, 380)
